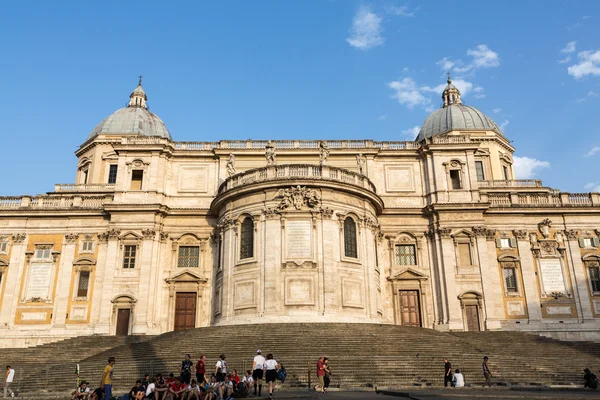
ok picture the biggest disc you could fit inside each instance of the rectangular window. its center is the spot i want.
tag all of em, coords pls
(84, 176)
(405, 254)
(137, 177)
(479, 170)
(595, 278)
(189, 257)
(505, 172)
(506, 243)
(464, 253)
(455, 178)
(129, 256)
(3, 247)
(87, 246)
(510, 279)
(84, 283)
(588, 242)
(43, 254)
(112, 174)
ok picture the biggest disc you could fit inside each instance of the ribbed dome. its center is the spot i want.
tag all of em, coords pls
(132, 121)
(456, 117)
(135, 119)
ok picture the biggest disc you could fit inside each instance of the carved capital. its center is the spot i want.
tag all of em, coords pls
(103, 237)
(490, 234)
(327, 212)
(479, 230)
(148, 233)
(19, 237)
(520, 233)
(571, 234)
(113, 233)
(163, 236)
(71, 237)
(271, 213)
(444, 233)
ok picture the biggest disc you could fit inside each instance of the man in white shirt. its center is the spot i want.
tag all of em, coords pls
(8, 380)
(258, 366)
(458, 380)
(151, 389)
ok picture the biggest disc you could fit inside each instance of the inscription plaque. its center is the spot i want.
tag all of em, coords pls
(552, 275)
(39, 280)
(298, 244)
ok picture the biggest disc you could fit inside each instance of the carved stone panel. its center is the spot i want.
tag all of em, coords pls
(298, 243)
(299, 291)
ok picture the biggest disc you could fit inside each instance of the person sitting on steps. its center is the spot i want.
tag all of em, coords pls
(82, 392)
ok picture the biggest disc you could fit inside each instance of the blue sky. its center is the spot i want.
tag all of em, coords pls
(299, 69)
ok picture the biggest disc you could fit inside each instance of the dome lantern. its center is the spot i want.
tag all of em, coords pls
(451, 94)
(138, 97)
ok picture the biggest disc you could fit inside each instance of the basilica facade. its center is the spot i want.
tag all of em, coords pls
(157, 235)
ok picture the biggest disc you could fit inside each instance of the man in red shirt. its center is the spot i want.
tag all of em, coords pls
(201, 370)
(320, 375)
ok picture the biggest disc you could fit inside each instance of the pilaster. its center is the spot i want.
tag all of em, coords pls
(64, 272)
(528, 270)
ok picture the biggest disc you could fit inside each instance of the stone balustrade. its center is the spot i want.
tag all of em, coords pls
(537, 199)
(300, 171)
(52, 202)
(510, 183)
(95, 187)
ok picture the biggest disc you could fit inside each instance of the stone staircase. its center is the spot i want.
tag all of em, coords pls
(362, 355)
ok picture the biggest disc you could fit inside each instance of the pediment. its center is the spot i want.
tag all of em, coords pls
(408, 274)
(185, 276)
(84, 261)
(3, 262)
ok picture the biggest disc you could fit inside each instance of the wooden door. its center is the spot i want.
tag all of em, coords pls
(123, 321)
(185, 311)
(410, 313)
(472, 312)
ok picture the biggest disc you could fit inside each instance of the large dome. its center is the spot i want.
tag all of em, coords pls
(135, 119)
(455, 116)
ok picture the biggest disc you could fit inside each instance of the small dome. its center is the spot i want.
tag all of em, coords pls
(135, 119)
(455, 116)
(132, 121)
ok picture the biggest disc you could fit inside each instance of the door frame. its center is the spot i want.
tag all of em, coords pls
(123, 302)
(472, 298)
(128, 321)
(196, 297)
(418, 306)
(409, 279)
(187, 281)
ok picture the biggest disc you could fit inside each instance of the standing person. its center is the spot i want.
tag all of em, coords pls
(458, 380)
(186, 369)
(447, 372)
(221, 368)
(8, 380)
(327, 377)
(320, 374)
(201, 370)
(258, 366)
(106, 383)
(487, 374)
(271, 367)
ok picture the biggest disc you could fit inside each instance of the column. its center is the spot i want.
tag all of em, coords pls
(63, 274)
(140, 319)
(528, 271)
(490, 280)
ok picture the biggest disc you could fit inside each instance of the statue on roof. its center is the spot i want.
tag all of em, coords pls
(231, 165)
(323, 152)
(270, 153)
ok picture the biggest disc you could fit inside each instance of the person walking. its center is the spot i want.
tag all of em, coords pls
(447, 372)
(221, 369)
(258, 366)
(320, 374)
(106, 383)
(186, 369)
(487, 373)
(201, 370)
(271, 367)
(8, 380)
(327, 377)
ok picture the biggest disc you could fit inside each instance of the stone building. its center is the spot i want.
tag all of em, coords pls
(157, 235)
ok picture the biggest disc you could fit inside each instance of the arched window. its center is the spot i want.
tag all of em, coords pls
(350, 238)
(247, 239)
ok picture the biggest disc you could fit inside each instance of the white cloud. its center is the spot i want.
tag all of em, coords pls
(592, 187)
(580, 100)
(478, 90)
(526, 168)
(588, 64)
(405, 69)
(504, 124)
(592, 94)
(408, 93)
(592, 152)
(399, 11)
(565, 60)
(411, 133)
(366, 30)
(569, 47)
(496, 110)
(483, 57)
(445, 64)
(464, 86)
(382, 117)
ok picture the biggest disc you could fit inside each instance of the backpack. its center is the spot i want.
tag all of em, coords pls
(223, 368)
(281, 374)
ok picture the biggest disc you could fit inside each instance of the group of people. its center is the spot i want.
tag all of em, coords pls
(192, 383)
(323, 374)
(457, 379)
